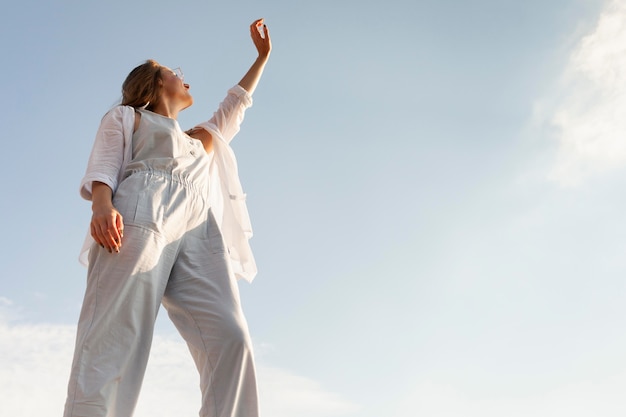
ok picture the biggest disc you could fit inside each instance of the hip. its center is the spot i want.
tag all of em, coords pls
(160, 201)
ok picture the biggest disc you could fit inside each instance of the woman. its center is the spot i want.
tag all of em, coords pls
(170, 226)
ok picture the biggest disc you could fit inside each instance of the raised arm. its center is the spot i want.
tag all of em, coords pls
(230, 114)
(261, 38)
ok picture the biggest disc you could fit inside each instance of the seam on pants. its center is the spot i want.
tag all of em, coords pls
(188, 314)
(82, 345)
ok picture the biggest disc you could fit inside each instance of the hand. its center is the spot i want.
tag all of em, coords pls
(261, 38)
(107, 227)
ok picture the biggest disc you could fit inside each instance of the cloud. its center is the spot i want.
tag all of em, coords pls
(591, 397)
(34, 366)
(589, 116)
(35, 362)
(285, 394)
(7, 310)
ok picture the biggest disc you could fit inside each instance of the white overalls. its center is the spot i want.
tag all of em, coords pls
(172, 253)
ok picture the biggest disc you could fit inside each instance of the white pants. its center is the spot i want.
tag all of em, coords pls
(172, 253)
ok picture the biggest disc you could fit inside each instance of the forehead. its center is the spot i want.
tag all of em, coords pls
(170, 73)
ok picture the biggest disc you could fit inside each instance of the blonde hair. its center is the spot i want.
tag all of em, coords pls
(141, 86)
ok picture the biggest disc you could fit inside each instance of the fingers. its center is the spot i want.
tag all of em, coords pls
(258, 29)
(255, 29)
(261, 37)
(108, 231)
(106, 238)
(266, 32)
(119, 227)
(257, 23)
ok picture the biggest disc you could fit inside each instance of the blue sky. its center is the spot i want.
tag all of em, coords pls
(433, 185)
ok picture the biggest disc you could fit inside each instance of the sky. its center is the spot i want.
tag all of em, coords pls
(433, 187)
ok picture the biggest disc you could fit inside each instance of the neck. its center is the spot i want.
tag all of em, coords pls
(167, 109)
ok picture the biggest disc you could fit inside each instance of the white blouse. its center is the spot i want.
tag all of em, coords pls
(112, 151)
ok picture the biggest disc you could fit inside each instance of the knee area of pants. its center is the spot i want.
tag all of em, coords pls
(236, 336)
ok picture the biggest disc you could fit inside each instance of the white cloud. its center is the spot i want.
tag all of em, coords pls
(593, 397)
(285, 394)
(34, 365)
(6, 309)
(590, 114)
(35, 362)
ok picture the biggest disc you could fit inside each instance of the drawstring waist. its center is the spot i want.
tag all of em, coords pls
(184, 180)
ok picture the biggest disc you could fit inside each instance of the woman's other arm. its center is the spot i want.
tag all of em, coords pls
(107, 226)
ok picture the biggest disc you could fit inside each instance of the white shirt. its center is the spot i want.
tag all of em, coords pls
(112, 151)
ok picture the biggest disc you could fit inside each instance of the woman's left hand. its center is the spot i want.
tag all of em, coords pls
(261, 38)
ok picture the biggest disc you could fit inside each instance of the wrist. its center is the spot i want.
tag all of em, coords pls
(101, 205)
(263, 57)
(101, 195)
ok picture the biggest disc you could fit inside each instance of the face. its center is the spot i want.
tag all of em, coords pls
(174, 87)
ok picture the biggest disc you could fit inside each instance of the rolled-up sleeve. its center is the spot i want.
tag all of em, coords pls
(226, 121)
(107, 153)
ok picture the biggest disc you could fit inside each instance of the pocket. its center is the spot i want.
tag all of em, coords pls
(216, 239)
(125, 201)
(240, 213)
(135, 200)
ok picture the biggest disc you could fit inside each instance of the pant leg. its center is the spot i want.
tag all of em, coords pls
(202, 299)
(116, 326)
